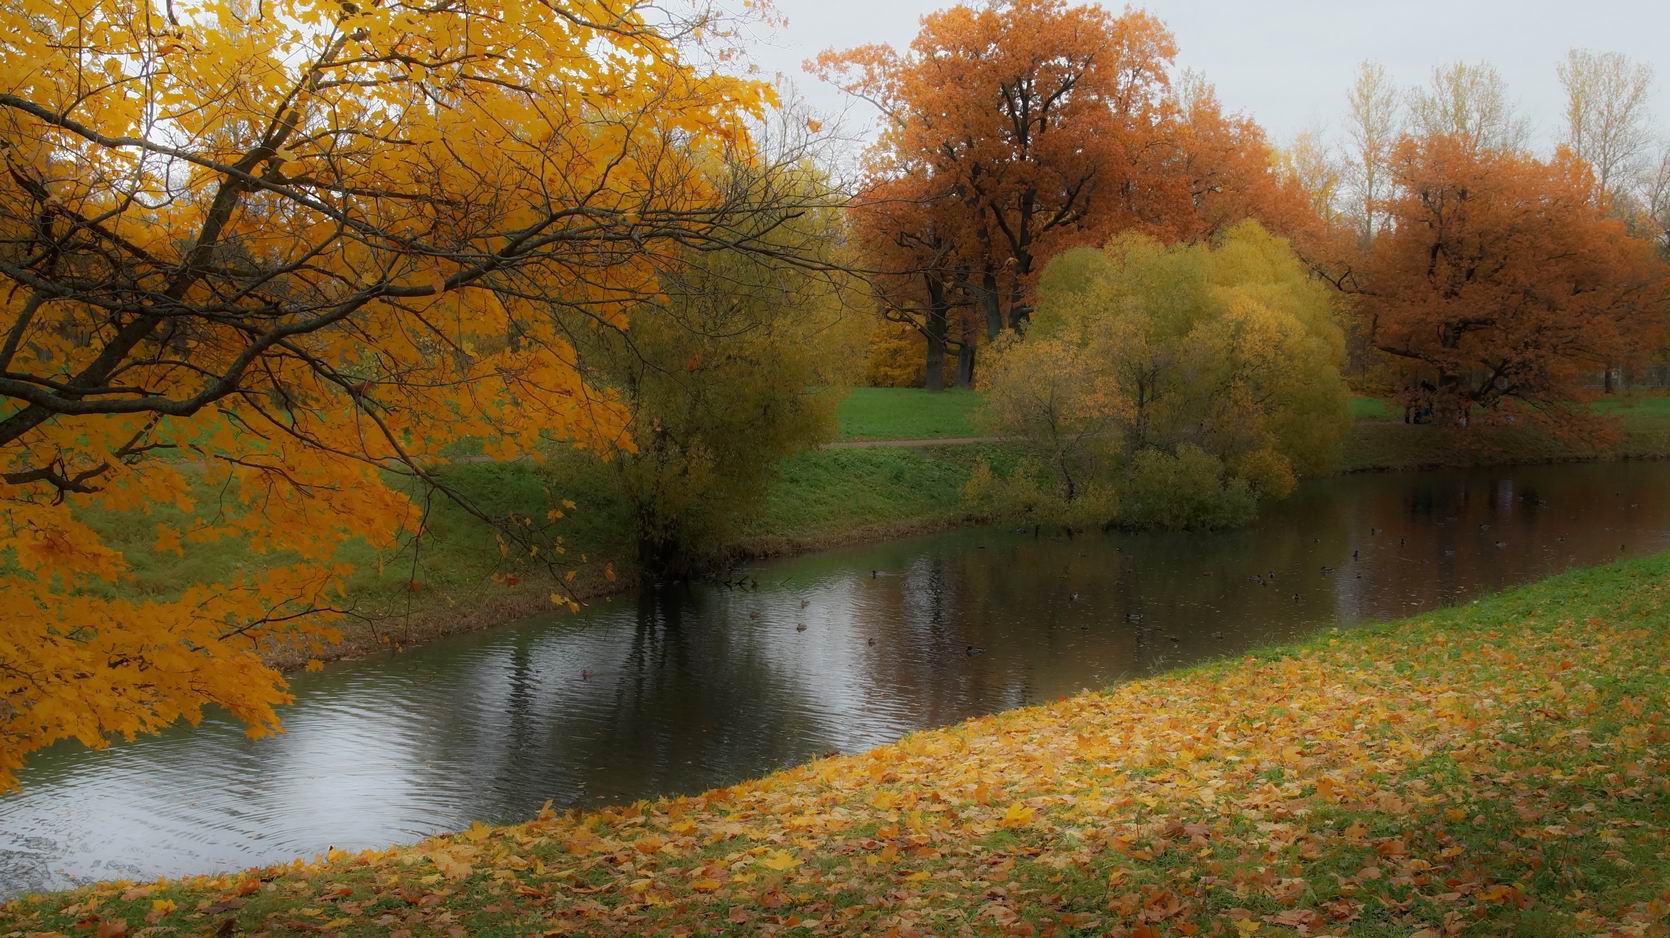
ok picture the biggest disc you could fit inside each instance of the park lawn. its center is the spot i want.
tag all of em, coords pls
(907, 414)
(1372, 408)
(829, 495)
(1498, 767)
(1638, 406)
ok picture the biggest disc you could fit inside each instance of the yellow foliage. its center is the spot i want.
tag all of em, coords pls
(1225, 356)
(296, 245)
(896, 357)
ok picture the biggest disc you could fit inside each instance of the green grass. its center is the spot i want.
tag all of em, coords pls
(1500, 767)
(915, 414)
(1642, 422)
(1372, 408)
(907, 414)
(1641, 406)
(826, 492)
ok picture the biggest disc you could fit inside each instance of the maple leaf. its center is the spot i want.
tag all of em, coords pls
(1018, 815)
(779, 861)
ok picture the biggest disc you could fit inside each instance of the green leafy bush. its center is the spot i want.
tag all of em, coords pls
(1186, 488)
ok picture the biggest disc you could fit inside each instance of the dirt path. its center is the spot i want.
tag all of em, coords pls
(935, 441)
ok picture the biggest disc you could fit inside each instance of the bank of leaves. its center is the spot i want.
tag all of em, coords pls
(1497, 768)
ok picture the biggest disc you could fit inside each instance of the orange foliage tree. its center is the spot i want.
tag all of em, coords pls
(279, 253)
(1501, 281)
(1019, 124)
(907, 239)
(1217, 169)
(1015, 130)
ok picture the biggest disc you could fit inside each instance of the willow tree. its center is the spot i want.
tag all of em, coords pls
(281, 252)
(1225, 355)
(738, 363)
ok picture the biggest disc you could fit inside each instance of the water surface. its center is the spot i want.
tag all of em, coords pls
(684, 689)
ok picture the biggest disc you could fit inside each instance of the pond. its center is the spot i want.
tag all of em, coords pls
(687, 688)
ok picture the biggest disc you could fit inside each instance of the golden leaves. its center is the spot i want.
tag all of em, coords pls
(396, 343)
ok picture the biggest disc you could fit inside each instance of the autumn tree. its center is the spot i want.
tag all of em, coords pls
(1027, 122)
(736, 363)
(1469, 103)
(1018, 129)
(1656, 200)
(1607, 114)
(1057, 400)
(1214, 169)
(1217, 360)
(907, 238)
(1315, 173)
(274, 254)
(1502, 281)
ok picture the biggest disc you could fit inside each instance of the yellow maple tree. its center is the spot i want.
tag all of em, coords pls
(292, 250)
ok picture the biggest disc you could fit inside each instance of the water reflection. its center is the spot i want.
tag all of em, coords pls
(687, 688)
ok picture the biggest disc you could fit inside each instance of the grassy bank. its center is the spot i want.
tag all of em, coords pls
(458, 580)
(1501, 767)
(1379, 440)
(836, 496)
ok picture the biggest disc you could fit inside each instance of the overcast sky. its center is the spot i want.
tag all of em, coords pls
(1287, 63)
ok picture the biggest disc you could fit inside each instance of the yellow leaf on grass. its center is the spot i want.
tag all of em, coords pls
(779, 861)
(1018, 815)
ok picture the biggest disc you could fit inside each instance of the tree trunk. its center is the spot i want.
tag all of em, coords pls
(937, 331)
(934, 375)
(965, 366)
(965, 354)
(986, 293)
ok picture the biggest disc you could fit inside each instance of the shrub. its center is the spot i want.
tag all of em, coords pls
(1186, 488)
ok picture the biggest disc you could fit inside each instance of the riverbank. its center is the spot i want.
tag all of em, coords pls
(822, 499)
(1378, 442)
(459, 581)
(1501, 767)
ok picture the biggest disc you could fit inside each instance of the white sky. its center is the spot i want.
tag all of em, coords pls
(1287, 63)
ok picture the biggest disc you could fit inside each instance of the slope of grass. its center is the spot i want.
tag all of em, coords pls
(907, 414)
(834, 494)
(1635, 405)
(1501, 767)
(915, 414)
